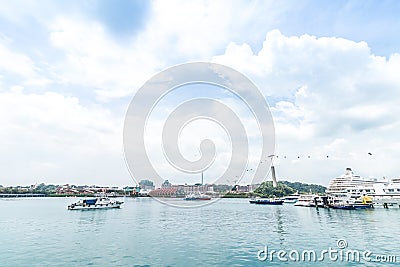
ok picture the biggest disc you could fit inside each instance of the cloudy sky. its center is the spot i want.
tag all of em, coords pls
(68, 69)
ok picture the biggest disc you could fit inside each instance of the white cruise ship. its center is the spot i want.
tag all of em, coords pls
(339, 186)
(385, 192)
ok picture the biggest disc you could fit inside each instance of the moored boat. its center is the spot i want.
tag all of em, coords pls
(306, 201)
(352, 206)
(340, 186)
(197, 196)
(384, 192)
(95, 203)
(291, 199)
(364, 202)
(266, 201)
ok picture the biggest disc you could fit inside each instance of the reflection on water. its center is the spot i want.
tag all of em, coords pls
(279, 224)
(93, 217)
(92, 220)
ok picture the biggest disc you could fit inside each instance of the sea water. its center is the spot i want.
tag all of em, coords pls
(230, 232)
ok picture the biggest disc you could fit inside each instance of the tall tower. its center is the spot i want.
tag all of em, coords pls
(274, 182)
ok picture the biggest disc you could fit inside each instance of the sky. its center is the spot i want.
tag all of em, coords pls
(69, 69)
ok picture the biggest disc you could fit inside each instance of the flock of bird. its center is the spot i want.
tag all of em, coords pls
(297, 157)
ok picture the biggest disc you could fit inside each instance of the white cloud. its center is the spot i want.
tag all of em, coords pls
(20, 67)
(48, 135)
(15, 63)
(176, 32)
(93, 59)
(334, 89)
(196, 131)
(80, 53)
(328, 95)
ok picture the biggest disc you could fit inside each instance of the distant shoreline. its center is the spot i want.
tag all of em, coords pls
(82, 196)
(29, 195)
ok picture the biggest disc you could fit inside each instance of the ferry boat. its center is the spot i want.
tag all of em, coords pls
(95, 203)
(291, 199)
(267, 201)
(352, 204)
(306, 200)
(197, 196)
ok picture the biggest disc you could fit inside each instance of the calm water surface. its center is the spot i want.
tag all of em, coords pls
(144, 232)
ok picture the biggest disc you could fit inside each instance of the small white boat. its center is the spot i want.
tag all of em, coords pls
(291, 199)
(197, 196)
(306, 201)
(95, 203)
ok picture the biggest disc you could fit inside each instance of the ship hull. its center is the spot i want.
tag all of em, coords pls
(95, 207)
(266, 202)
(95, 204)
(195, 198)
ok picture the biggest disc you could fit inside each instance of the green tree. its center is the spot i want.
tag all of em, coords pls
(303, 188)
(266, 189)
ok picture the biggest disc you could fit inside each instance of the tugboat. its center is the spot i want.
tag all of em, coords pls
(95, 203)
(266, 201)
